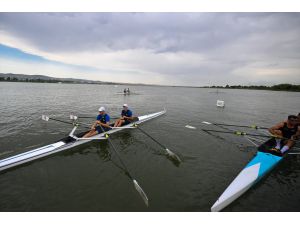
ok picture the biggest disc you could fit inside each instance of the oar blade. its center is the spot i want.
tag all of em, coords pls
(45, 118)
(73, 117)
(190, 127)
(141, 192)
(173, 155)
(175, 158)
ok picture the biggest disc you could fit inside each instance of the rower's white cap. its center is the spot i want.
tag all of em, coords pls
(125, 105)
(101, 109)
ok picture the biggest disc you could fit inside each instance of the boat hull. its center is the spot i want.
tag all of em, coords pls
(262, 163)
(61, 145)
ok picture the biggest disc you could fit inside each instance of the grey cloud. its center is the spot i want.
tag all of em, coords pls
(160, 32)
(228, 41)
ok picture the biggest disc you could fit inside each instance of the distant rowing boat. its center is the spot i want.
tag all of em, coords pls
(130, 93)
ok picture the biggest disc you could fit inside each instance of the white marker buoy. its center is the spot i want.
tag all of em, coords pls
(220, 103)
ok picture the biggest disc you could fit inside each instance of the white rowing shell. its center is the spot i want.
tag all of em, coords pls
(60, 146)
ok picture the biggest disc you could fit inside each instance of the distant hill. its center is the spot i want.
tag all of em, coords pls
(45, 79)
(11, 77)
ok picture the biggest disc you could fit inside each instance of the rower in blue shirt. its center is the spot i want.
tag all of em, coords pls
(126, 117)
(101, 120)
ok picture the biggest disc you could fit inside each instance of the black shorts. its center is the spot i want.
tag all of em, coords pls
(99, 130)
(127, 122)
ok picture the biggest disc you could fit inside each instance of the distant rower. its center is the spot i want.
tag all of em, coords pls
(289, 129)
(126, 117)
(101, 120)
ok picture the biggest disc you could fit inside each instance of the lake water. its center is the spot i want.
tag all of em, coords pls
(88, 177)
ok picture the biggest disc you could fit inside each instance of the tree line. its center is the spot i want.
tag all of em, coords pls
(277, 87)
(36, 80)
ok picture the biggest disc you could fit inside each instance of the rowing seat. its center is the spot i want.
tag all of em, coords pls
(268, 145)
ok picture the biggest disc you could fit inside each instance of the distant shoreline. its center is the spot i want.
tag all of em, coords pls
(46, 79)
(277, 87)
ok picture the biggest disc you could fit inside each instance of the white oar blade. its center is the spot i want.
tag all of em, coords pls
(141, 192)
(190, 127)
(73, 117)
(44, 117)
(205, 122)
(173, 155)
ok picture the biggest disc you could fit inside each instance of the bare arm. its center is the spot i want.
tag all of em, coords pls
(102, 124)
(275, 129)
(95, 124)
(98, 122)
(297, 135)
(105, 124)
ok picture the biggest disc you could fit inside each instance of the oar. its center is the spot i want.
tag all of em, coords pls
(247, 134)
(235, 125)
(135, 183)
(169, 152)
(90, 117)
(240, 133)
(47, 118)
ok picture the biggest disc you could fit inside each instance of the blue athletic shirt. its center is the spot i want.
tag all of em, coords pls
(128, 113)
(103, 118)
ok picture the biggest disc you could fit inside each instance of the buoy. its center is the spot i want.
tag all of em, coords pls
(220, 103)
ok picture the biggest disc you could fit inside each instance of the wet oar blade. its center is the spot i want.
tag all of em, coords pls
(141, 192)
(169, 152)
(136, 185)
(173, 155)
(73, 117)
(190, 127)
(208, 123)
(45, 118)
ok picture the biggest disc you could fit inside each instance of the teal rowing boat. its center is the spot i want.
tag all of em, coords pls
(262, 163)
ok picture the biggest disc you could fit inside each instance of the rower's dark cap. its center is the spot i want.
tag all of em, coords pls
(292, 117)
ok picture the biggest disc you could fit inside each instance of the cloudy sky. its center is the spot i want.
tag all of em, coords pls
(160, 48)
